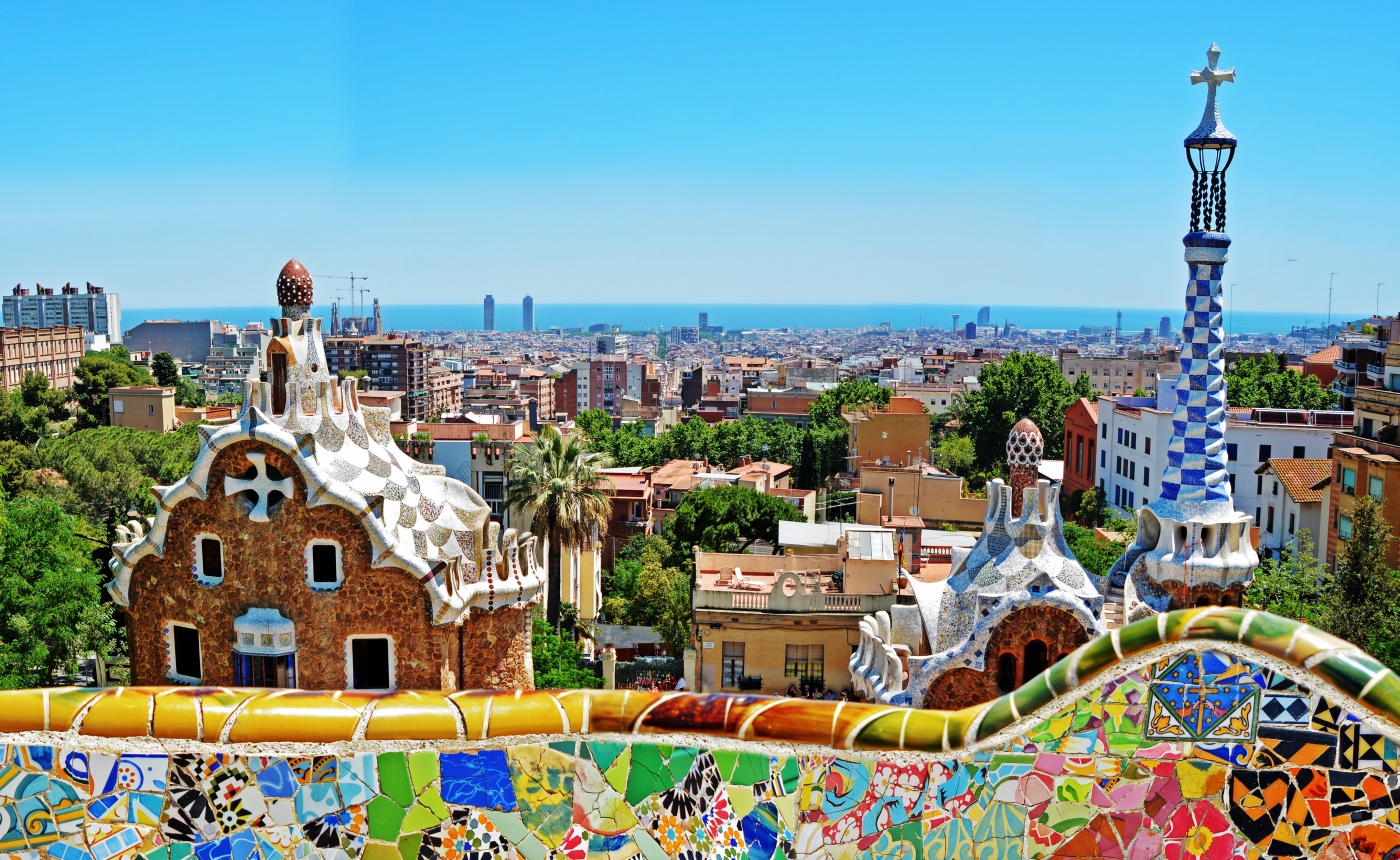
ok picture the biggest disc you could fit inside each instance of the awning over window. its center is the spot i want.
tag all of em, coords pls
(264, 631)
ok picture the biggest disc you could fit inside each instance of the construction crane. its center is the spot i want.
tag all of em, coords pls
(352, 278)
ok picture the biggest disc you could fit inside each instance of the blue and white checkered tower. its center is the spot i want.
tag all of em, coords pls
(1192, 545)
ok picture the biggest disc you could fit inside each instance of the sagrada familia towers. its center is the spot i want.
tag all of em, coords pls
(1019, 599)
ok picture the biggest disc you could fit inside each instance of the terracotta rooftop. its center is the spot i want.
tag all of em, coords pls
(1303, 479)
(1326, 356)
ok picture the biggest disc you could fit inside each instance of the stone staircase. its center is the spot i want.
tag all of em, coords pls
(1113, 607)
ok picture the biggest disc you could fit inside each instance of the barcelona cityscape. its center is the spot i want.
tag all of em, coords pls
(442, 432)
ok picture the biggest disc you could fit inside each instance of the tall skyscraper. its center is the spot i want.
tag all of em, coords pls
(984, 316)
(95, 310)
(1164, 328)
(1118, 329)
(704, 320)
(955, 322)
(527, 314)
(488, 314)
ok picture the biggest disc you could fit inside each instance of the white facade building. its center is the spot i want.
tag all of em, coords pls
(1133, 437)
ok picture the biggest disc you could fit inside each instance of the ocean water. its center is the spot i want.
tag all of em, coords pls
(641, 317)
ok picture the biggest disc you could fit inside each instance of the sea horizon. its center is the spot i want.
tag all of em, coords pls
(644, 317)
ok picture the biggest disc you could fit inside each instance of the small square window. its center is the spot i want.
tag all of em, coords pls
(370, 662)
(323, 564)
(1344, 527)
(185, 662)
(208, 559)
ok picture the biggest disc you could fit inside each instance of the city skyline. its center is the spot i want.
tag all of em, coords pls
(802, 154)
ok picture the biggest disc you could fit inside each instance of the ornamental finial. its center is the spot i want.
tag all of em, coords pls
(1212, 133)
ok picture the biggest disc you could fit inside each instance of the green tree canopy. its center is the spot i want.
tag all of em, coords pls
(1022, 385)
(848, 392)
(1269, 383)
(558, 661)
(1292, 586)
(1363, 602)
(99, 371)
(165, 370)
(730, 519)
(51, 612)
(106, 471)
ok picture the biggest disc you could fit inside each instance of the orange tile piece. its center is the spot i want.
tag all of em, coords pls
(407, 715)
(618, 710)
(122, 712)
(177, 714)
(472, 705)
(295, 716)
(217, 705)
(526, 713)
(578, 706)
(22, 710)
(66, 702)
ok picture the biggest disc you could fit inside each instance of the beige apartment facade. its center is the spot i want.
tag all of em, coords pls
(1120, 374)
(52, 351)
(142, 407)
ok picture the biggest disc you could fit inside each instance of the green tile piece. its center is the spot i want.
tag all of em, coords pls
(680, 761)
(565, 747)
(393, 778)
(997, 717)
(605, 752)
(531, 848)
(648, 773)
(790, 774)
(385, 816)
(419, 818)
(181, 850)
(751, 769)
(162, 853)
(724, 760)
(423, 767)
(509, 823)
(433, 801)
(375, 851)
(408, 845)
(648, 846)
(616, 773)
(665, 750)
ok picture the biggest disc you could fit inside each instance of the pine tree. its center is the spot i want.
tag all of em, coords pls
(1362, 605)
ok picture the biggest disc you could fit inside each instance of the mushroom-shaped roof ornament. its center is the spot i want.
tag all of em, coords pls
(294, 290)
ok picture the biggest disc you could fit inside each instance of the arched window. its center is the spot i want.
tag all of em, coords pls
(1203, 601)
(1006, 672)
(277, 375)
(1037, 659)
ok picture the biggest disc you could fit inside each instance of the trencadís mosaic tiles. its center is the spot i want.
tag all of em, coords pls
(1213, 751)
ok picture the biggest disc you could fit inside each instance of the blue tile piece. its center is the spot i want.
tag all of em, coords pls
(277, 780)
(221, 849)
(477, 779)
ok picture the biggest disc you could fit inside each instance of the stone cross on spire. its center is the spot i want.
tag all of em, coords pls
(1212, 130)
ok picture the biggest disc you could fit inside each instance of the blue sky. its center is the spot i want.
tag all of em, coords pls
(803, 152)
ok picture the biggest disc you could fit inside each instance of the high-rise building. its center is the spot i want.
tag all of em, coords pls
(1164, 328)
(955, 321)
(527, 314)
(704, 320)
(488, 314)
(94, 310)
(1118, 329)
(984, 316)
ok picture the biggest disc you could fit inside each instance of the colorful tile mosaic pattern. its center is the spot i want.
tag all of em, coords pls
(1187, 753)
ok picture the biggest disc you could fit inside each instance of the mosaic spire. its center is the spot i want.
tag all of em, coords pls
(1196, 482)
(1192, 546)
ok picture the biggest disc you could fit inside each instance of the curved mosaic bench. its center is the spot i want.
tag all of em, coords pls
(1213, 732)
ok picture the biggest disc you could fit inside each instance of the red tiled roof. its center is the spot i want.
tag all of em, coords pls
(1303, 479)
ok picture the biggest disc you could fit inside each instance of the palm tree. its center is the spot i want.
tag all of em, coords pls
(555, 479)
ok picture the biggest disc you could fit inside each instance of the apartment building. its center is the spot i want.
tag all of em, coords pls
(1120, 374)
(1366, 467)
(765, 622)
(897, 433)
(53, 351)
(937, 397)
(93, 310)
(187, 340)
(791, 405)
(1298, 496)
(606, 378)
(142, 407)
(1081, 445)
(1133, 437)
(444, 391)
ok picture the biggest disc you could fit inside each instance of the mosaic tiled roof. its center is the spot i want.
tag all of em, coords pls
(417, 519)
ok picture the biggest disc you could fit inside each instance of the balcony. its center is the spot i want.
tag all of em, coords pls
(862, 604)
(1345, 366)
(1344, 390)
(1375, 370)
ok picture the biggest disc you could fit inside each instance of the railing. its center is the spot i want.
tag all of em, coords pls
(764, 601)
(1344, 390)
(1344, 365)
(1375, 370)
(937, 554)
